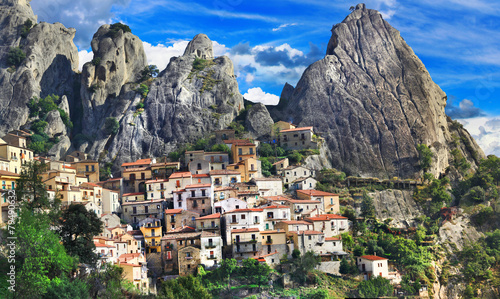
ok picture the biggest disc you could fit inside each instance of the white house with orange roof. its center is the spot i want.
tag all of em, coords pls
(198, 198)
(179, 180)
(121, 247)
(310, 240)
(242, 219)
(269, 186)
(373, 266)
(330, 224)
(300, 207)
(203, 178)
(293, 173)
(226, 205)
(209, 223)
(105, 250)
(274, 214)
(110, 201)
(211, 248)
(329, 200)
(293, 226)
(246, 242)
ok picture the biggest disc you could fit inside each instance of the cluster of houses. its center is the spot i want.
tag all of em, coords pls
(177, 216)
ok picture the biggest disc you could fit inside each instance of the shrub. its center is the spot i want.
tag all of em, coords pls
(28, 24)
(114, 29)
(111, 125)
(96, 61)
(375, 288)
(140, 105)
(39, 126)
(143, 90)
(15, 56)
(266, 150)
(150, 71)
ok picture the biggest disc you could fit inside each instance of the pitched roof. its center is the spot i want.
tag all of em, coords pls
(316, 193)
(142, 202)
(173, 211)
(303, 201)
(198, 186)
(276, 163)
(201, 175)
(8, 173)
(212, 216)
(103, 245)
(138, 162)
(244, 210)
(296, 129)
(245, 230)
(307, 232)
(180, 174)
(130, 265)
(295, 222)
(333, 239)
(372, 257)
(326, 217)
(277, 197)
(276, 207)
(132, 194)
(156, 181)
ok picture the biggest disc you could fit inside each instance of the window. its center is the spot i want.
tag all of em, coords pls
(202, 201)
(237, 206)
(193, 193)
(188, 254)
(251, 151)
(199, 166)
(180, 242)
(146, 209)
(192, 242)
(203, 193)
(178, 184)
(134, 210)
(240, 151)
(242, 216)
(93, 168)
(203, 211)
(309, 237)
(86, 168)
(193, 218)
(157, 207)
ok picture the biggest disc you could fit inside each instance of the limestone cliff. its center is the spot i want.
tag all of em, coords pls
(374, 102)
(195, 95)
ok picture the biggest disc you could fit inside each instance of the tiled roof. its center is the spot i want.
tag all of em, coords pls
(8, 173)
(130, 265)
(307, 232)
(245, 230)
(265, 232)
(135, 169)
(198, 186)
(295, 222)
(202, 175)
(276, 163)
(316, 193)
(181, 174)
(303, 201)
(244, 210)
(296, 129)
(333, 239)
(173, 211)
(132, 194)
(103, 245)
(276, 207)
(138, 162)
(142, 202)
(156, 181)
(326, 217)
(277, 198)
(372, 258)
(212, 216)
(239, 142)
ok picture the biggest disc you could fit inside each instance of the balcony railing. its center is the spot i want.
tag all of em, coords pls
(269, 241)
(211, 245)
(212, 257)
(160, 188)
(245, 241)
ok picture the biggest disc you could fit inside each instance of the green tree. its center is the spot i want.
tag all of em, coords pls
(266, 167)
(77, 227)
(303, 265)
(67, 289)
(375, 288)
(26, 28)
(295, 157)
(228, 266)
(150, 71)
(220, 148)
(255, 271)
(187, 287)
(367, 206)
(15, 56)
(107, 283)
(425, 156)
(143, 89)
(40, 257)
(266, 150)
(201, 144)
(111, 125)
(114, 29)
(476, 194)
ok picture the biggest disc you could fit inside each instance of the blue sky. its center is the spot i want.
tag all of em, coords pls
(272, 42)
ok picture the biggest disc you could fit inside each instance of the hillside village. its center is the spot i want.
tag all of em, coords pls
(174, 216)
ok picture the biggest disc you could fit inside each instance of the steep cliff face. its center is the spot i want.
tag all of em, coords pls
(192, 97)
(51, 59)
(374, 102)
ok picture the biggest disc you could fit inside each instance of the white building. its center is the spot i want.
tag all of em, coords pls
(269, 186)
(110, 201)
(330, 224)
(223, 206)
(211, 249)
(242, 219)
(199, 166)
(224, 177)
(305, 183)
(372, 265)
(293, 173)
(157, 189)
(197, 198)
(275, 214)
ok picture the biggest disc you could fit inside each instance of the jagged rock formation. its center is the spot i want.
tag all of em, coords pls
(184, 103)
(258, 121)
(107, 80)
(49, 66)
(374, 102)
(201, 46)
(398, 205)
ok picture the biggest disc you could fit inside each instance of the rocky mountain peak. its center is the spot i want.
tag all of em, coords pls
(374, 102)
(201, 46)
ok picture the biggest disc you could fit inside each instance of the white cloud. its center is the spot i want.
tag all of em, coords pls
(257, 95)
(84, 15)
(160, 54)
(486, 132)
(249, 78)
(284, 26)
(84, 57)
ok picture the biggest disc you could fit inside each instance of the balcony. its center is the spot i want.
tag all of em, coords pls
(210, 245)
(245, 241)
(208, 227)
(299, 210)
(160, 188)
(212, 257)
(269, 241)
(169, 247)
(13, 158)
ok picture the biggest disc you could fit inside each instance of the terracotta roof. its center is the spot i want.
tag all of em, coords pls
(295, 222)
(224, 171)
(69, 167)
(113, 179)
(138, 162)
(173, 211)
(135, 169)
(212, 216)
(297, 129)
(266, 179)
(198, 186)
(202, 175)
(179, 190)
(165, 164)
(372, 257)
(129, 255)
(245, 230)
(303, 179)
(316, 193)
(183, 174)
(333, 239)
(156, 181)
(276, 207)
(307, 232)
(272, 232)
(5, 172)
(303, 201)
(244, 210)
(131, 265)
(326, 217)
(132, 194)
(103, 245)
(276, 163)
